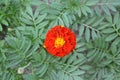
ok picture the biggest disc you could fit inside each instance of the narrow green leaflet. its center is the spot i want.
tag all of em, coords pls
(81, 31)
(116, 17)
(1, 27)
(111, 37)
(78, 72)
(65, 19)
(5, 22)
(91, 2)
(87, 34)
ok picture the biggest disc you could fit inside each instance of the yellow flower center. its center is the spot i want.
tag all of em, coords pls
(44, 46)
(61, 26)
(59, 42)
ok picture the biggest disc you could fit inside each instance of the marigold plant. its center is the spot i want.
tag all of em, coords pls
(59, 39)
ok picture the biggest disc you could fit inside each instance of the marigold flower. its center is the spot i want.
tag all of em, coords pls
(60, 41)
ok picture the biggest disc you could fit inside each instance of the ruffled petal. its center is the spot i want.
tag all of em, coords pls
(60, 32)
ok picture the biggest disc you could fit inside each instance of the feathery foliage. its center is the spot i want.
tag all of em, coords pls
(23, 26)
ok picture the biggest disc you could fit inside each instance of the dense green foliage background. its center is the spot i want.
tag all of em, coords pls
(23, 26)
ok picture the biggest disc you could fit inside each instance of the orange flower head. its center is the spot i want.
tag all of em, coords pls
(60, 41)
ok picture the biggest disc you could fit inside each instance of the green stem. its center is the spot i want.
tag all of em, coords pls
(26, 65)
(116, 30)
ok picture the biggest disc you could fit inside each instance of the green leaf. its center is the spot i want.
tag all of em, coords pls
(97, 11)
(29, 10)
(36, 13)
(111, 7)
(86, 67)
(2, 43)
(40, 18)
(1, 27)
(91, 54)
(18, 34)
(23, 45)
(26, 16)
(5, 22)
(113, 49)
(103, 26)
(53, 23)
(94, 35)
(71, 59)
(42, 24)
(98, 21)
(60, 21)
(11, 42)
(26, 47)
(26, 21)
(33, 49)
(106, 10)
(116, 18)
(100, 55)
(108, 30)
(65, 19)
(14, 63)
(72, 69)
(42, 70)
(88, 10)
(30, 77)
(83, 9)
(90, 21)
(109, 19)
(66, 77)
(82, 49)
(116, 41)
(78, 72)
(111, 37)
(81, 31)
(61, 74)
(91, 2)
(87, 34)
(77, 78)
(79, 12)
(118, 25)
(80, 45)
(36, 57)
